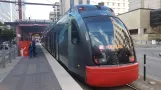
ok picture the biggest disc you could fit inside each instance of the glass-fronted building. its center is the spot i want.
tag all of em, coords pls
(9, 11)
(119, 6)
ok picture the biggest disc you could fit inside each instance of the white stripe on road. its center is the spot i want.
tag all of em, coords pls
(65, 80)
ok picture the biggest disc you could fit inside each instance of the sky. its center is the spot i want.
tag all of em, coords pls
(42, 12)
(37, 11)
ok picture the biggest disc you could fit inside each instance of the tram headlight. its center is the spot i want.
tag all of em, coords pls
(131, 59)
(103, 59)
(100, 55)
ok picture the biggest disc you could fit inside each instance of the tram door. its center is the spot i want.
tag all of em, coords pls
(57, 46)
(51, 45)
(52, 50)
(47, 42)
(74, 49)
(54, 44)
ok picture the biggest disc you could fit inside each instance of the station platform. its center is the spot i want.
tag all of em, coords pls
(42, 72)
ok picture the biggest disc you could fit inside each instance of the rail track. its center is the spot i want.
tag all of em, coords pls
(134, 88)
(125, 87)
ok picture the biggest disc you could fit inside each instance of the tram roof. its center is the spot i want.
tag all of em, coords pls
(88, 11)
(94, 10)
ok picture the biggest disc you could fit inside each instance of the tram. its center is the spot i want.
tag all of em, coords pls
(93, 43)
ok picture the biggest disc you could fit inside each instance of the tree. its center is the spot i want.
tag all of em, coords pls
(1, 24)
(5, 33)
(8, 34)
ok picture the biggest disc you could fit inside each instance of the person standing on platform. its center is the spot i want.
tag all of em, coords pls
(31, 50)
(34, 47)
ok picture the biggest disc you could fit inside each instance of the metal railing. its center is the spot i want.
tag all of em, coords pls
(6, 56)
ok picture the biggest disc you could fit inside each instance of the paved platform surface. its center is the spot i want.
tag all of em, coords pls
(31, 74)
(9, 66)
(64, 78)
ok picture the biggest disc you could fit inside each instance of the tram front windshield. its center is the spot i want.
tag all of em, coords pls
(111, 43)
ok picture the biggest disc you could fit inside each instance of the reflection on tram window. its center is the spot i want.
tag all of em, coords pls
(101, 32)
(109, 37)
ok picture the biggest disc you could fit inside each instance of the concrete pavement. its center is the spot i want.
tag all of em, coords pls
(4, 71)
(66, 81)
(40, 73)
(31, 74)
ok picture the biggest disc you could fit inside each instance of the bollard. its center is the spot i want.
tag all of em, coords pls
(144, 67)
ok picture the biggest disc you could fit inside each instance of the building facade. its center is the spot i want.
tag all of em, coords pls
(119, 6)
(138, 24)
(52, 16)
(6, 14)
(65, 4)
(9, 12)
(23, 11)
(138, 20)
(56, 13)
(152, 4)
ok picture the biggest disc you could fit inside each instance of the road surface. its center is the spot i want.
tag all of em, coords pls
(153, 61)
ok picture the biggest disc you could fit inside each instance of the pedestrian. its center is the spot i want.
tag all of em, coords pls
(31, 50)
(34, 47)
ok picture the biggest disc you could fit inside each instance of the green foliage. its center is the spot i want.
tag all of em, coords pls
(1, 24)
(5, 33)
(8, 34)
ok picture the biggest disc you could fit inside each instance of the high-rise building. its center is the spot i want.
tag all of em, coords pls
(23, 11)
(56, 13)
(5, 12)
(152, 4)
(52, 16)
(9, 12)
(119, 6)
(65, 4)
(146, 25)
(14, 12)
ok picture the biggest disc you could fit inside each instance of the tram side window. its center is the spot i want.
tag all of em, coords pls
(74, 34)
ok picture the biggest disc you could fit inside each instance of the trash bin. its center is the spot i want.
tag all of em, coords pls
(24, 46)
